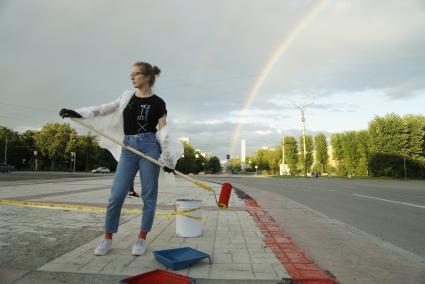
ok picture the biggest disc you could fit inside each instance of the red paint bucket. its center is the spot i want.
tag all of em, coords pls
(226, 190)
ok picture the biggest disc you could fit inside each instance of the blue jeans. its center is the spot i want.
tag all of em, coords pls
(127, 168)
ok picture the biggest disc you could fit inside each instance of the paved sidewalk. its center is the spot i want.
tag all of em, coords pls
(229, 236)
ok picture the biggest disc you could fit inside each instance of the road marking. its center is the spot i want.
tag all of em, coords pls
(387, 200)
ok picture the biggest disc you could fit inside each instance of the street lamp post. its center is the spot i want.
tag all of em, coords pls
(36, 161)
(302, 109)
(404, 165)
(5, 152)
(73, 159)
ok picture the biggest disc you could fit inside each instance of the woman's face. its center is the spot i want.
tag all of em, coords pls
(138, 78)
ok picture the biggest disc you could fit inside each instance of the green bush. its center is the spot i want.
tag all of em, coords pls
(392, 165)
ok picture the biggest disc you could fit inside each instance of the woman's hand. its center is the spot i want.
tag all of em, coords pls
(168, 170)
(69, 113)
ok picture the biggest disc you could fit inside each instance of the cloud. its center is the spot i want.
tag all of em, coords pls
(262, 132)
(411, 88)
(353, 60)
(291, 100)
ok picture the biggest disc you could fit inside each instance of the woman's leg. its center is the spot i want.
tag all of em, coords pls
(149, 173)
(123, 180)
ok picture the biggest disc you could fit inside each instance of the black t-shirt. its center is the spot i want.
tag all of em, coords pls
(142, 114)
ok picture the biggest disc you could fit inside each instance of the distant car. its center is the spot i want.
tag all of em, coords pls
(5, 168)
(101, 170)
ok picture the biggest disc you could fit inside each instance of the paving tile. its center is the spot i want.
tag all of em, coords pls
(9, 276)
(230, 237)
(234, 271)
(199, 270)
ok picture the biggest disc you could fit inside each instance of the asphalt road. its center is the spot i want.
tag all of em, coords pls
(391, 210)
(35, 177)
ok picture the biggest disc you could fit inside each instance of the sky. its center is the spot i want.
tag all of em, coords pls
(230, 70)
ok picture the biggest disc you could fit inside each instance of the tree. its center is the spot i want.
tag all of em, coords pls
(88, 151)
(186, 164)
(261, 158)
(200, 162)
(350, 153)
(214, 165)
(321, 152)
(338, 153)
(274, 157)
(55, 141)
(305, 163)
(27, 148)
(291, 154)
(416, 136)
(10, 135)
(388, 134)
(251, 163)
(363, 152)
(234, 165)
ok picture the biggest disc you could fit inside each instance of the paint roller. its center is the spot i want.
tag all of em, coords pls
(226, 189)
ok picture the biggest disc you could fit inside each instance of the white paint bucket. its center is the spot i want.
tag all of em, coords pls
(188, 218)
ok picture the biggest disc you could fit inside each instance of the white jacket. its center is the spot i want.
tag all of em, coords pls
(108, 118)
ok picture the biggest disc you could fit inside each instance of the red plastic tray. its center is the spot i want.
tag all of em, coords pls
(158, 277)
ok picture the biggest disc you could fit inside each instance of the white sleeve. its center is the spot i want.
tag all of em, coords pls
(171, 147)
(93, 111)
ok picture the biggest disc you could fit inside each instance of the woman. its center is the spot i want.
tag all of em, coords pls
(136, 115)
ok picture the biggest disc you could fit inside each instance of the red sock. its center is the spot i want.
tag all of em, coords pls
(143, 234)
(108, 236)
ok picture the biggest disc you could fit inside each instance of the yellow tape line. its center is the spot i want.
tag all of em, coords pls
(183, 213)
(84, 208)
(59, 206)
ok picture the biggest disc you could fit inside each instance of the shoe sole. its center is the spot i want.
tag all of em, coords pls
(100, 253)
(135, 253)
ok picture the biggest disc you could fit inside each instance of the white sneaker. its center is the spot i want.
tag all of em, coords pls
(103, 247)
(139, 247)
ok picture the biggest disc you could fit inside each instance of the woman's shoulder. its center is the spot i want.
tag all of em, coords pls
(158, 98)
(126, 95)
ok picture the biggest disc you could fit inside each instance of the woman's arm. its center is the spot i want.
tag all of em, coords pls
(162, 121)
(93, 111)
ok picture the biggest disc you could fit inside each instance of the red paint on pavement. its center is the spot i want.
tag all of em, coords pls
(297, 264)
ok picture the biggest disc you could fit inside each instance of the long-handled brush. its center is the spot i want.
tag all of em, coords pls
(225, 192)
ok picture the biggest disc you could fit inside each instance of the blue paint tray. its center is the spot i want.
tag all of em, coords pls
(179, 258)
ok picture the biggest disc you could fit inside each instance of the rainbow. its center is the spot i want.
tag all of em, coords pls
(271, 61)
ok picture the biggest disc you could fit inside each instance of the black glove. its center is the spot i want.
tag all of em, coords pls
(69, 113)
(168, 170)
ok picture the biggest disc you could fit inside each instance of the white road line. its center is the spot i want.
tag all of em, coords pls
(404, 203)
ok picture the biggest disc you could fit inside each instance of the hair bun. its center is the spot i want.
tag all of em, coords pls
(156, 71)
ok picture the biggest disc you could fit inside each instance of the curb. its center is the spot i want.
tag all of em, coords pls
(302, 269)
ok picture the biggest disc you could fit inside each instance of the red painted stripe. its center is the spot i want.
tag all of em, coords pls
(297, 264)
